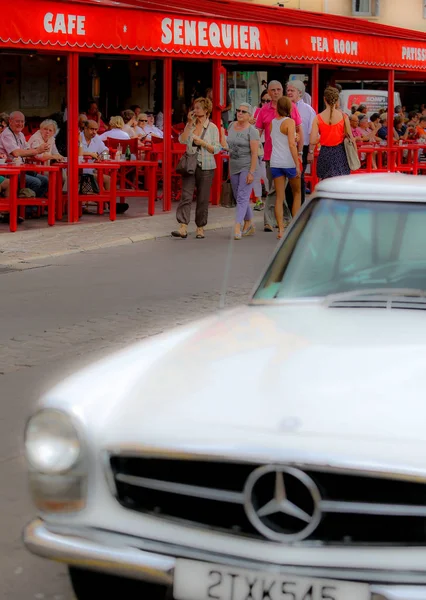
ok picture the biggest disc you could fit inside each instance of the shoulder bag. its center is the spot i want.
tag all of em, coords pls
(350, 149)
(227, 199)
(188, 162)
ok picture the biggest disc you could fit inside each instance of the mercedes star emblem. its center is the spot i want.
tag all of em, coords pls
(282, 503)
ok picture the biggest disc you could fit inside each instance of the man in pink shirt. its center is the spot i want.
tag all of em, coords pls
(263, 122)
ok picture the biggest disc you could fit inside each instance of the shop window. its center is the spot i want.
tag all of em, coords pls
(365, 8)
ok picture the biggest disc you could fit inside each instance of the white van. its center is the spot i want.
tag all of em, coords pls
(373, 99)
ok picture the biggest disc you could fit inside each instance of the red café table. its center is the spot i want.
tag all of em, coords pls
(120, 173)
(21, 170)
(104, 196)
(130, 189)
(394, 154)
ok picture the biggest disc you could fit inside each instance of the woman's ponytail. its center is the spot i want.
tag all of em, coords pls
(331, 96)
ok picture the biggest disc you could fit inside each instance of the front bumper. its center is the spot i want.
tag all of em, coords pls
(132, 562)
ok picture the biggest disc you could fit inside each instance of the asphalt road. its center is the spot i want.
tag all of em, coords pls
(59, 315)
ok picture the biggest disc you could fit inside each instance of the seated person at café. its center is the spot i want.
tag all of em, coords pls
(421, 128)
(400, 127)
(368, 129)
(129, 119)
(93, 146)
(116, 131)
(413, 119)
(361, 110)
(382, 133)
(159, 121)
(356, 131)
(82, 119)
(375, 122)
(46, 133)
(369, 136)
(14, 145)
(4, 121)
(151, 129)
(141, 126)
(93, 114)
(136, 109)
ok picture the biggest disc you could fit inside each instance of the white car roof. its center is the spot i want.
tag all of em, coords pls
(386, 187)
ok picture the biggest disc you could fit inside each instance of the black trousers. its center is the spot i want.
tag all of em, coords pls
(288, 191)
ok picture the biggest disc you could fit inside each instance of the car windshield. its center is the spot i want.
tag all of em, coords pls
(338, 246)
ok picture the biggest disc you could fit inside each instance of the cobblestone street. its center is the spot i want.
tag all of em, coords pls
(61, 313)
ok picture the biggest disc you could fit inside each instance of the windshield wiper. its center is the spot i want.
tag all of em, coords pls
(378, 293)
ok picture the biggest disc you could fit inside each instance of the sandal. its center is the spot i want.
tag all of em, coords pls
(249, 231)
(182, 232)
(179, 234)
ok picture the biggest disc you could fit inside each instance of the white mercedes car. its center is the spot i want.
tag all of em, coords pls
(272, 452)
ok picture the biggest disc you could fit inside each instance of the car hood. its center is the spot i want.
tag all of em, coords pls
(275, 378)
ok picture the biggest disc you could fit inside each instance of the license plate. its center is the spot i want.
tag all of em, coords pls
(195, 580)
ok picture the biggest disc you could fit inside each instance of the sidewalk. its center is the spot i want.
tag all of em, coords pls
(45, 242)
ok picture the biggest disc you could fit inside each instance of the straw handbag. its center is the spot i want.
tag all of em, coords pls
(350, 149)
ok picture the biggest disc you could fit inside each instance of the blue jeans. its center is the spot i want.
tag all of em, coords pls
(38, 183)
(242, 192)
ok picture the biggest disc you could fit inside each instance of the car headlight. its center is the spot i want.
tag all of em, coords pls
(51, 441)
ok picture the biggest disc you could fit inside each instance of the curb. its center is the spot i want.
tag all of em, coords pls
(125, 240)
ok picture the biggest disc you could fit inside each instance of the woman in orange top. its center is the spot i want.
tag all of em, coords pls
(330, 128)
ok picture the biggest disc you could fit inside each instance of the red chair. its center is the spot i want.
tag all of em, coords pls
(157, 152)
(157, 142)
(177, 130)
(133, 143)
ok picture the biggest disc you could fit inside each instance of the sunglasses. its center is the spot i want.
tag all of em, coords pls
(143, 121)
(244, 112)
(265, 101)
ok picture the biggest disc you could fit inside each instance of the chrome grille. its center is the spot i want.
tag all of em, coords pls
(356, 508)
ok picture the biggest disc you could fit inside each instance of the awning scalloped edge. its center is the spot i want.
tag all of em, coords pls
(210, 53)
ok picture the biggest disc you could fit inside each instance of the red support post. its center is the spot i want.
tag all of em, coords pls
(167, 129)
(72, 110)
(391, 111)
(217, 119)
(315, 87)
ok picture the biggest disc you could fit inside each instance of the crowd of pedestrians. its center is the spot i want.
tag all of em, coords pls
(273, 143)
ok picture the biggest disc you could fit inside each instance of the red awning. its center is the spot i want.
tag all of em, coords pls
(257, 13)
(215, 29)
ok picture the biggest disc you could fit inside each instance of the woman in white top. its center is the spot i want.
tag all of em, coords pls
(285, 162)
(116, 130)
(151, 129)
(46, 133)
(142, 123)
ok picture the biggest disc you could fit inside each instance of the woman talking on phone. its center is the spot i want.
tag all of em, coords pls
(201, 137)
